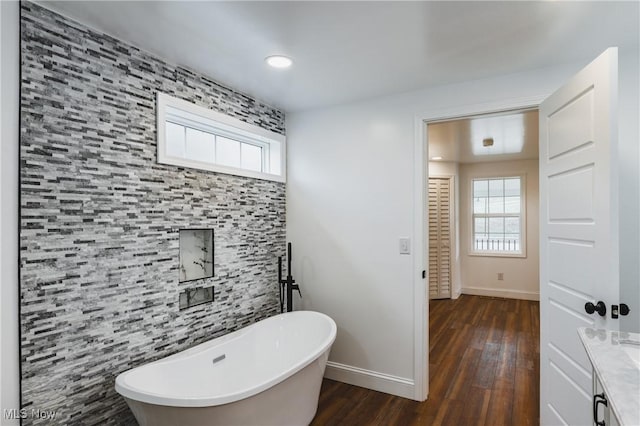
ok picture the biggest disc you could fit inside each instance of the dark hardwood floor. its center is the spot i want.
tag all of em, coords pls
(483, 366)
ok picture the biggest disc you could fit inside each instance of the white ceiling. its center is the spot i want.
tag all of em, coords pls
(348, 51)
(514, 134)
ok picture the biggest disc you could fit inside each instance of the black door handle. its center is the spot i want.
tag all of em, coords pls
(597, 400)
(599, 307)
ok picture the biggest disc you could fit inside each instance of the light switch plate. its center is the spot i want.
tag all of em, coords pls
(405, 246)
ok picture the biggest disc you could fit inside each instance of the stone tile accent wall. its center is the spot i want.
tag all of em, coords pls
(100, 220)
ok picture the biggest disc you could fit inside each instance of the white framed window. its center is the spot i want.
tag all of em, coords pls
(193, 136)
(498, 219)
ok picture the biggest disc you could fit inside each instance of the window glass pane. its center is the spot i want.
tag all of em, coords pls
(496, 225)
(496, 205)
(496, 188)
(480, 225)
(174, 139)
(512, 242)
(512, 225)
(200, 146)
(480, 241)
(500, 198)
(512, 187)
(274, 159)
(480, 188)
(480, 205)
(512, 205)
(244, 149)
(227, 152)
(251, 157)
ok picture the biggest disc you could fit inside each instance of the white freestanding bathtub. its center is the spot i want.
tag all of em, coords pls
(268, 373)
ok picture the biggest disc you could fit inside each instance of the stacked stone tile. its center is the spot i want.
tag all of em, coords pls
(100, 220)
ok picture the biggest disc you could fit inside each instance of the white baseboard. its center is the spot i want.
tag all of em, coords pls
(500, 292)
(381, 382)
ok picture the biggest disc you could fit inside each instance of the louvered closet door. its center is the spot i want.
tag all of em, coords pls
(439, 238)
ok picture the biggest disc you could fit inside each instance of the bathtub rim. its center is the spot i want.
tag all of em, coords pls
(137, 394)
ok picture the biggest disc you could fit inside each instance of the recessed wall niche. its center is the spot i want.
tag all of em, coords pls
(196, 254)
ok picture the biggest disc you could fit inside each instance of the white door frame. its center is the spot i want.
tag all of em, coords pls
(420, 230)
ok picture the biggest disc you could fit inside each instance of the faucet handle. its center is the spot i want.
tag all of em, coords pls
(297, 287)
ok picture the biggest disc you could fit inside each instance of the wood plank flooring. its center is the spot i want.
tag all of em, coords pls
(483, 366)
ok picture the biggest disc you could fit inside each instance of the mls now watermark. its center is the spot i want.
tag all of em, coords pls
(33, 413)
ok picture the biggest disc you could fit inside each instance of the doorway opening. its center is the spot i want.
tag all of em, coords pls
(483, 282)
(482, 200)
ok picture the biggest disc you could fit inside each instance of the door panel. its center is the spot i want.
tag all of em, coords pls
(571, 126)
(572, 266)
(577, 374)
(571, 195)
(570, 319)
(574, 399)
(578, 232)
(570, 298)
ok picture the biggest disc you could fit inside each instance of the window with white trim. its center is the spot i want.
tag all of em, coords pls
(193, 136)
(498, 216)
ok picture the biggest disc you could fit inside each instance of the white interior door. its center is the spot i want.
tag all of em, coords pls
(578, 233)
(439, 238)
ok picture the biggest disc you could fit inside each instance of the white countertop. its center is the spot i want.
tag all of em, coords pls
(616, 361)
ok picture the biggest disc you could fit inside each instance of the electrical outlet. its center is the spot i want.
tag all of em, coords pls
(500, 276)
(405, 246)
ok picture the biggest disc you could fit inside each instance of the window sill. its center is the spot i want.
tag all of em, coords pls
(497, 254)
(210, 167)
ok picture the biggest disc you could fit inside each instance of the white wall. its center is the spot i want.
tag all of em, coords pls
(629, 174)
(349, 199)
(480, 273)
(446, 169)
(9, 94)
(443, 168)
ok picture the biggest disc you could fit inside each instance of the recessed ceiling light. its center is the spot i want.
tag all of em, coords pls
(436, 158)
(278, 61)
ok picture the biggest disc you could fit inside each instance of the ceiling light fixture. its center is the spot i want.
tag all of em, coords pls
(278, 61)
(436, 158)
(487, 142)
